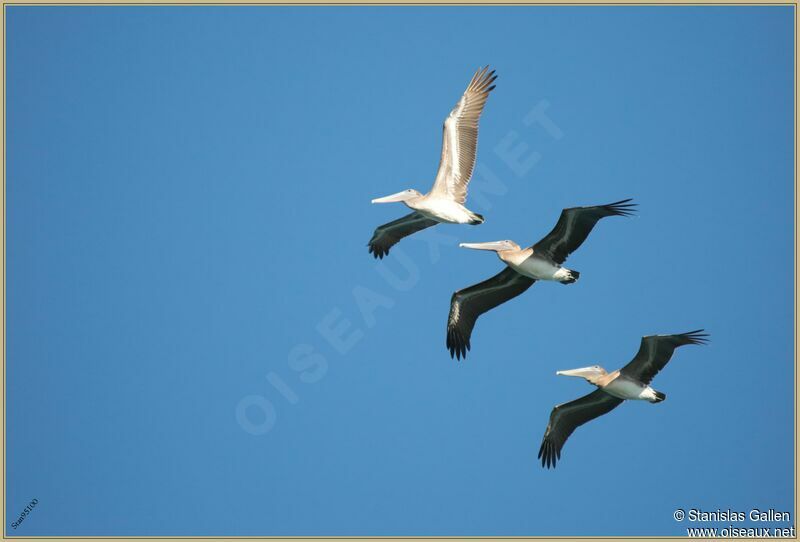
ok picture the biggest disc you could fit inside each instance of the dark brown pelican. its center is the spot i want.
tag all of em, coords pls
(631, 382)
(542, 261)
(445, 201)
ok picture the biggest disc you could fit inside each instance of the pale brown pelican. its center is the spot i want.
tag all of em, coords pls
(631, 382)
(542, 261)
(445, 201)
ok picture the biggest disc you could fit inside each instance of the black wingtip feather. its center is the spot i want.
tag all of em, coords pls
(696, 337)
(621, 208)
(456, 343)
(377, 251)
(548, 453)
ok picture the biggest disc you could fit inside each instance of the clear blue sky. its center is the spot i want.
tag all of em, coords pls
(188, 211)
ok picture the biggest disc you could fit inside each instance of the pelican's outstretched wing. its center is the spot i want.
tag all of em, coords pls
(468, 304)
(460, 138)
(574, 226)
(388, 235)
(655, 352)
(564, 419)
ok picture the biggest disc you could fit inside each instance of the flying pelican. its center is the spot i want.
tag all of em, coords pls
(542, 261)
(445, 201)
(630, 382)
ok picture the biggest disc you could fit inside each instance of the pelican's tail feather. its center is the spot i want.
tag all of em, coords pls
(572, 276)
(476, 219)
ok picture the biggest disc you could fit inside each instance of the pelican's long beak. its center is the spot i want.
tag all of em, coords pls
(491, 245)
(582, 372)
(400, 196)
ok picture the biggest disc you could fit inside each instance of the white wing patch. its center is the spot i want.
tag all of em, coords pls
(460, 139)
